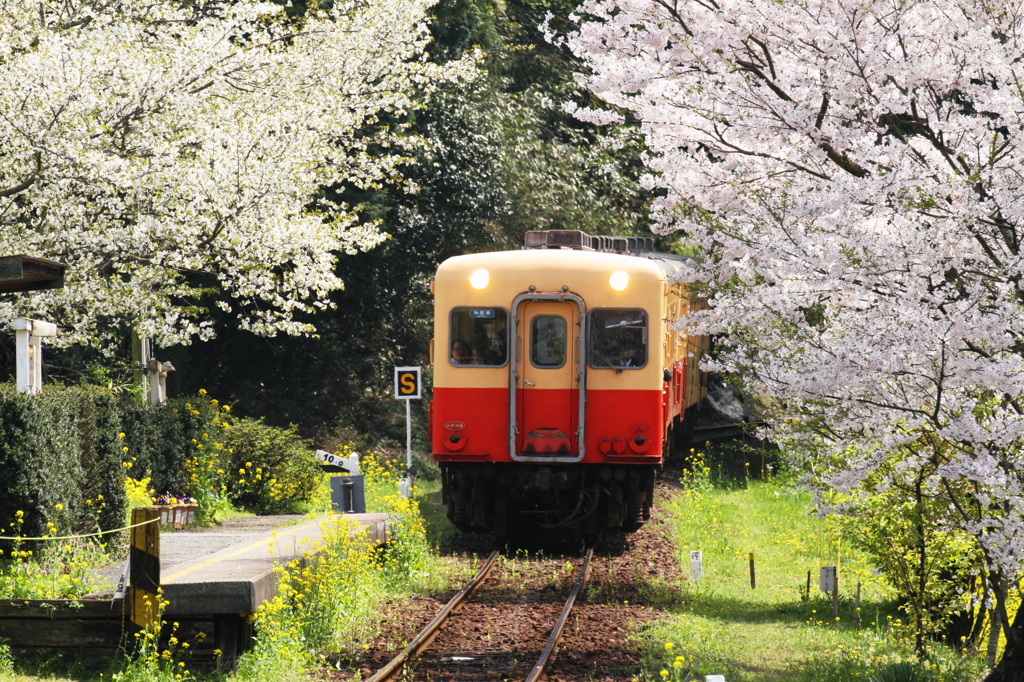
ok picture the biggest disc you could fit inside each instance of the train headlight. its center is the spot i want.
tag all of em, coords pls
(619, 280)
(480, 279)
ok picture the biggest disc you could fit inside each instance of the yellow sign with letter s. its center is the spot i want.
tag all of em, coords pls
(407, 383)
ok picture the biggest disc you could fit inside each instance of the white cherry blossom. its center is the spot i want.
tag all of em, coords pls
(162, 150)
(853, 171)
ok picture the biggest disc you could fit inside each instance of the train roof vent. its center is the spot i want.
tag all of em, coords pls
(576, 239)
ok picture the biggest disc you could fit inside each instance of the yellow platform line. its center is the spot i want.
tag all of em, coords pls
(241, 550)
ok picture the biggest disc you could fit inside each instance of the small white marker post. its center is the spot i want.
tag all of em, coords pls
(827, 578)
(696, 564)
(407, 388)
(29, 335)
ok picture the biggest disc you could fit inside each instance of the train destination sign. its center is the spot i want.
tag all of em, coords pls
(407, 383)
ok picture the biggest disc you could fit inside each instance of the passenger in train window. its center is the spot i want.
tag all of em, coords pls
(461, 353)
(546, 352)
(481, 336)
(481, 353)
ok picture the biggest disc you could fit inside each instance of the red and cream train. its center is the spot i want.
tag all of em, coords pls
(558, 384)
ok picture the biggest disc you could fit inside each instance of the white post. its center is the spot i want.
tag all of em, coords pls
(144, 358)
(29, 349)
(23, 333)
(156, 374)
(153, 377)
(405, 482)
(408, 435)
(35, 349)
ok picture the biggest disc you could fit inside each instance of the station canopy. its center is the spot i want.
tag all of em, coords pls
(28, 273)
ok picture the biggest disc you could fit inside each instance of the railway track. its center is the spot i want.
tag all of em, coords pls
(450, 659)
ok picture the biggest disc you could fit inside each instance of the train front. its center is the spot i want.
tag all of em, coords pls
(548, 410)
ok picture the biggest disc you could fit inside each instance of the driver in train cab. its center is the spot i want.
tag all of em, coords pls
(627, 357)
(460, 353)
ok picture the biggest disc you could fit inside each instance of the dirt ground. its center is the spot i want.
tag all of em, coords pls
(500, 634)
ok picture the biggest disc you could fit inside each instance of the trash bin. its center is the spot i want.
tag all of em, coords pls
(348, 494)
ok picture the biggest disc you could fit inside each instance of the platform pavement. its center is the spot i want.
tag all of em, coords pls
(228, 570)
(233, 571)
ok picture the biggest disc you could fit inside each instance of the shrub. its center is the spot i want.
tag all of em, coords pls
(161, 439)
(270, 470)
(40, 455)
(74, 445)
(100, 457)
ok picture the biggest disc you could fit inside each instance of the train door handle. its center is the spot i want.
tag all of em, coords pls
(527, 382)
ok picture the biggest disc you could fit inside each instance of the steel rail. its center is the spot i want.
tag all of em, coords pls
(556, 633)
(423, 639)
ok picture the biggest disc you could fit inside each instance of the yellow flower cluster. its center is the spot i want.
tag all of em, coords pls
(321, 599)
(207, 482)
(46, 569)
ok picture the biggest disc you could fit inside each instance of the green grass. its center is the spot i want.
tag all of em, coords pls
(775, 632)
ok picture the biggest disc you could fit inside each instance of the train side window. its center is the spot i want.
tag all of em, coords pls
(618, 338)
(547, 341)
(478, 337)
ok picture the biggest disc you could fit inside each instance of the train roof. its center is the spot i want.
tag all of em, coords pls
(572, 249)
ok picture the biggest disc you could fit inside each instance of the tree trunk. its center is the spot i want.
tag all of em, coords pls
(1011, 665)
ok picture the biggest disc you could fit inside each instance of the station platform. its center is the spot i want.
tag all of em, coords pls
(230, 569)
(224, 572)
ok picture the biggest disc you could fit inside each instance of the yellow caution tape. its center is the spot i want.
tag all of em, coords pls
(72, 537)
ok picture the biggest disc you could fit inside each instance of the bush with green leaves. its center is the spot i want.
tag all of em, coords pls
(73, 446)
(269, 470)
(59, 448)
(160, 439)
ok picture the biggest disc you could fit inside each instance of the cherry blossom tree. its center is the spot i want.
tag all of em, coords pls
(853, 172)
(166, 150)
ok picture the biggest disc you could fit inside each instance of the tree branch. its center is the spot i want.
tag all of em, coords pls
(28, 181)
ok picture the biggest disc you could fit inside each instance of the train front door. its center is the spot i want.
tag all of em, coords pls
(548, 375)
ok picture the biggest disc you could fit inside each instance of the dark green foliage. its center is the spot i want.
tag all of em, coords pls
(63, 447)
(160, 439)
(459, 25)
(100, 457)
(270, 469)
(40, 456)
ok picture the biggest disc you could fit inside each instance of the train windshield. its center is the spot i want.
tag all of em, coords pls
(479, 337)
(547, 341)
(618, 338)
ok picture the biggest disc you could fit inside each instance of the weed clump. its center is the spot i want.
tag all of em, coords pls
(902, 671)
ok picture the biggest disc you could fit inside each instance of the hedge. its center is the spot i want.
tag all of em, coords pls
(64, 455)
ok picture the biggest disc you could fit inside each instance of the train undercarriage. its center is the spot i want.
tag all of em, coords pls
(523, 499)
